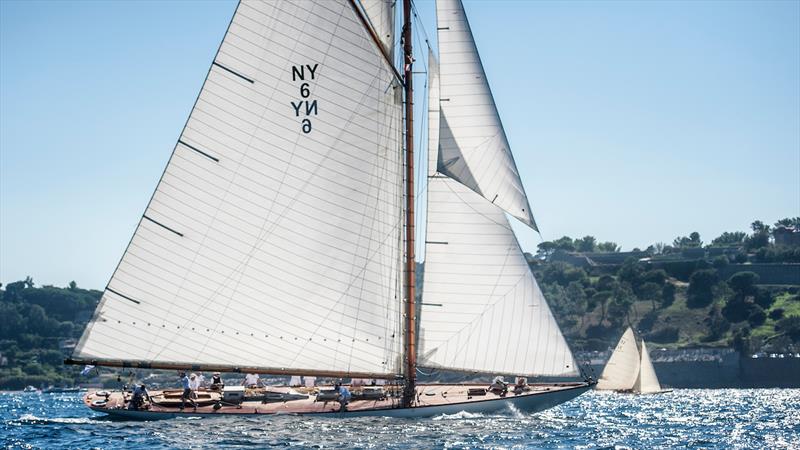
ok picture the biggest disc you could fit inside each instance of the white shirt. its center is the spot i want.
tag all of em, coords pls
(251, 379)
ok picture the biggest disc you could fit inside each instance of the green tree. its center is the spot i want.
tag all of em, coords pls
(667, 295)
(728, 239)
(586, 244)
(743, 283)
(788, 222)
(650, 291)
(692, 241)
(608, 247)
(546, 249)
(701, 285)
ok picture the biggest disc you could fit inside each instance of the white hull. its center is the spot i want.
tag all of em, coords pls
(526, 404)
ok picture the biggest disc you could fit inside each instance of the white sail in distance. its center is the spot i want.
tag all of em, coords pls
(647, 382)
(273, 239)
(473, 146)
(622, 369)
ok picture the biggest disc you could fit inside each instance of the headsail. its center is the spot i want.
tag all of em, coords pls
(622, 369)
(482, 309)
(473, 147)
(647, 382)
(274, 236)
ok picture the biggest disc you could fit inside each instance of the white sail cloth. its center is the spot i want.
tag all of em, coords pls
(381, 14)
(647, 381)
(622, 369)
(473, 147)
(482, 309)
(274, 236)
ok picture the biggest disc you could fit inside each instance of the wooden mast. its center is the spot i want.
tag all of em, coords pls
(410, 352)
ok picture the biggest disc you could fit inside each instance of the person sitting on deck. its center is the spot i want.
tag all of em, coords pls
(343, 396)
(187, 391)
(521, 385)
(139, 395)
(251, 380)
(498, 386)
(216, 382)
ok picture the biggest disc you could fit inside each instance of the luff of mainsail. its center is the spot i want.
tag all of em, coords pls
(622, 368)
(473, 146)
(273, 240)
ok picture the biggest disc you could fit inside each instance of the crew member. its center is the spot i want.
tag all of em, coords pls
(498, 386)
(187, 391)
(251, 380)
(216, 382)
(139, 395)
(343, 396)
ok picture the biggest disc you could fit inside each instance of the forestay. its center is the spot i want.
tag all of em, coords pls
(473, 147)
(622, 369)
(273, 238)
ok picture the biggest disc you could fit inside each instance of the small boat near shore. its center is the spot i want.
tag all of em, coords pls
(629, 370)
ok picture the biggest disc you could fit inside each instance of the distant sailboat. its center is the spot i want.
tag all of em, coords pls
(280, 239)
(629, 369)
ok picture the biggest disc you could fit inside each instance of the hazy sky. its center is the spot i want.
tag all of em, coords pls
(633, 122)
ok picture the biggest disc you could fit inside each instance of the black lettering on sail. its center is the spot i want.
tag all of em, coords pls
(299, 74)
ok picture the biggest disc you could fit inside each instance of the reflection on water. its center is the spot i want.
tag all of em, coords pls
(748, 418)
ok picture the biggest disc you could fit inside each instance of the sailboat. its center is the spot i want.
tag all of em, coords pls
(280, 239)
(629, 370)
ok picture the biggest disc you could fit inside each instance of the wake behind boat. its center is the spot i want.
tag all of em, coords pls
(280, 239)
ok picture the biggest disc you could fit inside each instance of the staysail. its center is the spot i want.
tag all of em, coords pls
(273, 239)
(622, 369)
(473, 148)
(647, 382)
(482, 309)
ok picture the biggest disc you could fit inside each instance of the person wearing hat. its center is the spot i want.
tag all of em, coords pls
(216, 382)
(194, 384)
(343, 396)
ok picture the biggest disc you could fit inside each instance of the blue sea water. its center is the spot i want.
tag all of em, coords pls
(724, 418)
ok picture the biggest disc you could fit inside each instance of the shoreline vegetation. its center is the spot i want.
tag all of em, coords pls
(740, 291)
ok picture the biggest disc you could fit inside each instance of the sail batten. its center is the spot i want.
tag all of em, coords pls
(273, 239)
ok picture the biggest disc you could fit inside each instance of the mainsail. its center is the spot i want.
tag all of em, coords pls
(622, 370)
(473, 148)
(273, 239)
(482, 309)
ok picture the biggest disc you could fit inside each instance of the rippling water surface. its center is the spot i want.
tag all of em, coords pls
(747, 418)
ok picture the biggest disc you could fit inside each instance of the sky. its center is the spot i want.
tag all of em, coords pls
(634, 122)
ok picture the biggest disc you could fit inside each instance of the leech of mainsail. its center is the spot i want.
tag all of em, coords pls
(473, 148)
(291, 255)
